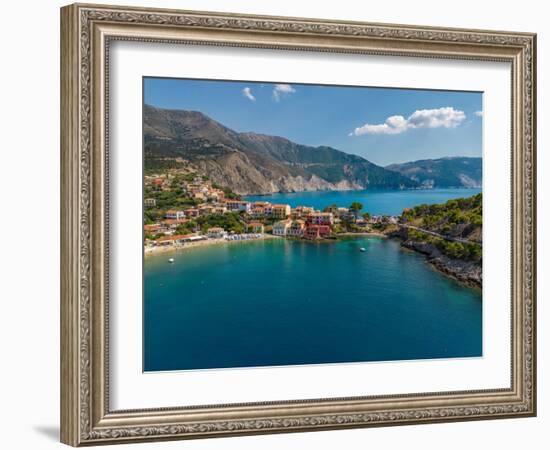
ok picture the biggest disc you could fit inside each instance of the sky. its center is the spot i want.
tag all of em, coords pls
(383, 125)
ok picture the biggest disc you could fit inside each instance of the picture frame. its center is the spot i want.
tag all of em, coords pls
(87, 32)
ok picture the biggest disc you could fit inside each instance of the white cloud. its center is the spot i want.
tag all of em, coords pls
(247, 92)
(447, 117)
(479, 113)
(282, 90)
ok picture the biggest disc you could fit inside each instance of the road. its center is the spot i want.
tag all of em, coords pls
(442, 236)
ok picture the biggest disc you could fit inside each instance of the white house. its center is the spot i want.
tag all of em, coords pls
(216, 233)
(281, 228)
(174, 214)
(238, 205)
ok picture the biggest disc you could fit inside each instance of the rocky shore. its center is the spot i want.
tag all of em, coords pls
(467, 272)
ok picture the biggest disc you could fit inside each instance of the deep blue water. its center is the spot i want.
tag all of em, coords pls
(375, 201)
(282, 302)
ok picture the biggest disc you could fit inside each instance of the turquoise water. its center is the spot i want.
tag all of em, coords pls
(281, 302)
(375, 201)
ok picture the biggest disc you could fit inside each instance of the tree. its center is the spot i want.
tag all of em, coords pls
(356, 207)
(185, 228)
(366, 216)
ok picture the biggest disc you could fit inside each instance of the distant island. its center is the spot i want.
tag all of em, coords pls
(251, 163)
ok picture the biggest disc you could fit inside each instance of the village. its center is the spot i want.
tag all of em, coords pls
(184, 209)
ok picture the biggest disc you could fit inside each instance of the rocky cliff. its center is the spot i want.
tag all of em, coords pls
(251, 163)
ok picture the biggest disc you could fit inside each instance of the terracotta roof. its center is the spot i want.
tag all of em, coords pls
(173, 221)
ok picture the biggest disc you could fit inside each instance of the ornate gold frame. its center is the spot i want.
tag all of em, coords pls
(86, 31)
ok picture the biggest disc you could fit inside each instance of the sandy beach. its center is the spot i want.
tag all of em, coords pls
(211, 242)
(205, 243)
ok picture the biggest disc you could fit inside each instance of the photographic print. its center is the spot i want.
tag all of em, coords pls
(293, 224)
(284, 231)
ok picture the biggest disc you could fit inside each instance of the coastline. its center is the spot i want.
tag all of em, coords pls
(362, 233)
(157, 250)
(364, 189)
(465, 272)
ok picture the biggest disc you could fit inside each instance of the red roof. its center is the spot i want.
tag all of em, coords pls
(174, 221)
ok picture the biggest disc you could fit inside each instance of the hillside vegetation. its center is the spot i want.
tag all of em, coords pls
(252, 163)
(450, 234)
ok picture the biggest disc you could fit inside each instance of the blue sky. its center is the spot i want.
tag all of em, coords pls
(384, 125)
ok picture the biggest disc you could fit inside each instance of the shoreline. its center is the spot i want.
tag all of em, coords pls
(366, 189)
(362, 233)
(461, 271)
(443, 266)
(157, 250)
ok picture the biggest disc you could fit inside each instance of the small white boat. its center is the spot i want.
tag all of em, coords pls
(171, 260)
(362, 249)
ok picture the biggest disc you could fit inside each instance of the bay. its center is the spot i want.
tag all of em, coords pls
(375, 201)
(281, 302)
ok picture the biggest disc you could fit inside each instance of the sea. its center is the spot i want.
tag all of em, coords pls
(374, 201)
(287, 302)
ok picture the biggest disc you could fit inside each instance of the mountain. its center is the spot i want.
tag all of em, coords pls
(251, 163)
(445, 172)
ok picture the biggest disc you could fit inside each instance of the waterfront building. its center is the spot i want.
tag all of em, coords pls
(260, 209)
(216, 233)
(320, 218)
(261, 204)
(280, 211)
(297, 228)
(257, 212)
(171, 240)
(316, 231)
(255, 227)
(301, 212)
(281, 228)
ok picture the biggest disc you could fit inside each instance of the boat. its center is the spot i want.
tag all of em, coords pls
(362, 249)
(171, 260)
